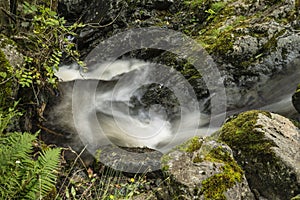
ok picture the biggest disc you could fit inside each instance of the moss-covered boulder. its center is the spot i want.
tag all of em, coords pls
(10, 60)
(200, 169)
(249, 41)
(267, 147)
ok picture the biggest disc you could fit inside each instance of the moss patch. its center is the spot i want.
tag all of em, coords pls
(191, 145)
(240, 134)
(5, 81)
(296, 197)
(215, 186)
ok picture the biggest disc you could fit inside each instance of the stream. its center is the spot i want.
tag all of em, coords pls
(106, 104)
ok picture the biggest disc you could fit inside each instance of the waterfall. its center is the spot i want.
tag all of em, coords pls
(105, 104)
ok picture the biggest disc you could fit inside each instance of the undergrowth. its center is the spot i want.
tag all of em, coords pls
(22, 174)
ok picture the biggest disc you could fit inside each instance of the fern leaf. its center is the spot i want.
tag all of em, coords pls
(14, 151)
(46, 169)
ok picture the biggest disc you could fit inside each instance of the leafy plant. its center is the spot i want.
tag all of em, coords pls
(21, 176)
(44, 38)
(194, 3)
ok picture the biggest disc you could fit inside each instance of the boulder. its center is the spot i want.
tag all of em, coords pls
(250, 42)
(203, 169)
(267, 147)
(10, 60)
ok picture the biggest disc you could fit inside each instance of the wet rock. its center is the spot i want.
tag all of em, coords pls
(132, 160)
(201, 169)
(250, 42)
(267, 146)
(296, 99)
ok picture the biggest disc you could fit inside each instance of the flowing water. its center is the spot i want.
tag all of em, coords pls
(106, 104)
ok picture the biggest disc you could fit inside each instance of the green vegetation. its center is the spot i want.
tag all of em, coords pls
(43, 44)
(194, 3)
(23, 176)
(243, 128)
(215, 186)
(296, 197)
(5, 81)
(28, 169)
(191, 145)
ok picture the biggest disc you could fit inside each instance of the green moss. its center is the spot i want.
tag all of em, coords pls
(215, 186)
(4, 41)
(240, 134)
(296, 197)
(5, 80)
(191, 145)
(194, 3)
(218, 6)
(271, 44)
(164, 162)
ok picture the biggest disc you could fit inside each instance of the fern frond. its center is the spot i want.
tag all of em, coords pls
(14, 151)
(21, 177)
(46, 170)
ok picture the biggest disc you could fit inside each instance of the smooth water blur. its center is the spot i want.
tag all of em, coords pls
(97, 105)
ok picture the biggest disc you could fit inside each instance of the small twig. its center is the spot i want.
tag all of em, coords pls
(95, 25)
(12, 15)
(3, 82)
(73, 165)
(49, 131)
(8, 14)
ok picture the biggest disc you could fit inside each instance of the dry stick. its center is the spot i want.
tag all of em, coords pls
(49, 131)
(103, 26)
(12, 15)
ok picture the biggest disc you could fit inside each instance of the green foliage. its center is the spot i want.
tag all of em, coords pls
(194, 3)
(243, 128)
(103, 184)
(43, 40)
(215, 186)
(7, 116)
(296, 197)
(217, 7)
(21, 177)
(6, 80)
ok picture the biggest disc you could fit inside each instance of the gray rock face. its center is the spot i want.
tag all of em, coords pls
(286, 138)
(201, 174)
(252, 43)
(14, 57)
(267, 147)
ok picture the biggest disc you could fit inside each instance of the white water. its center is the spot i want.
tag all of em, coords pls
(101, 112)
(103, 116)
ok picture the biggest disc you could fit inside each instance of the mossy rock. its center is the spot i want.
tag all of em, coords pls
(10, 60)
(204, 169)
(6, 87)
(266, 146)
